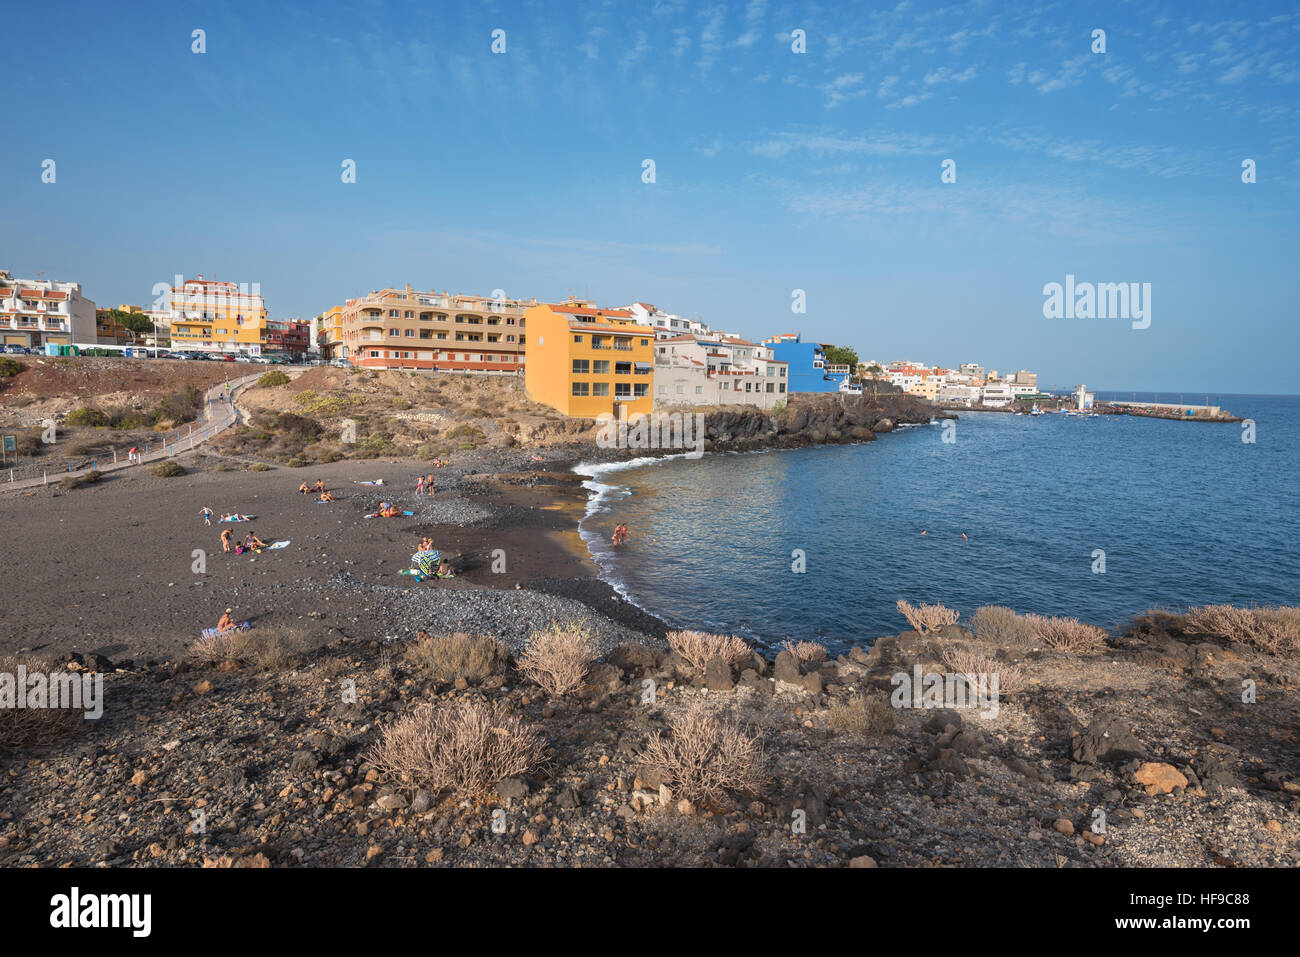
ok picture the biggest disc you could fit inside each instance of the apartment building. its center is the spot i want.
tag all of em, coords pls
(206, 315)
(585, 361)
(329, 333)
(40, 312)
(808, 370)
(291, 337)
(718, 369)
(408, 329)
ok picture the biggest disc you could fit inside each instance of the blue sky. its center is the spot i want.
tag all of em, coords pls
(775, 170)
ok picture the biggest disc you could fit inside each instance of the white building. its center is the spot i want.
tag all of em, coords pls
(718, 369)
(997, 395)
(666, 324)
(39, 312)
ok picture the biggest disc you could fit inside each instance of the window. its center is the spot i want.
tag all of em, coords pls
(393, 313)
(410, 332)
(641, 389)
(622, 390)
(598, 342)
(622, 368)
(581, 388)
(581, 367)
(394, 332)
(699, 390)
(645, 342)
(681, 389)
(782, 386)
(410, 314)
(600, 366)
(510, 338)
(593, 341)
(663, 389)
(769, 387)
(747, 385)
(600, 388)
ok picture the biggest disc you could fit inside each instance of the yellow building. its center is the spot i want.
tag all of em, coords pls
(329, 333)
(206, 315)
(586, 361)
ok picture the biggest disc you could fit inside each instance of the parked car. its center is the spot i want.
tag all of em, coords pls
(17, 350)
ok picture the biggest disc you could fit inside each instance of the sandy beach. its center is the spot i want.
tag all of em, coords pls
(110, 567)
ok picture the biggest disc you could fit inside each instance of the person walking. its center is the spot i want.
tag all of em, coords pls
(207, 515)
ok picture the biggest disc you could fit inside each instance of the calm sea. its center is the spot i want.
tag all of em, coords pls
(1185, 513)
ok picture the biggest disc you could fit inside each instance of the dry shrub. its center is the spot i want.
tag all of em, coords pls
(1000, 625)
(1067, 634)
(265, 649)
(698, 647)
(1274, 630)
(460, 655)
(466, 748)
(558, 657)
(705, 756)
(971, 665)
(35, 727)
(927, 618)
(861, 714)
(809, 652)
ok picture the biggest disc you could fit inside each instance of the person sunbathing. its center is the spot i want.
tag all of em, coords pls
(319, 486)
(327, 496)
(303, 489)
(226, 542)
(252, 541)
(226, 623)
(388, 510)
(445, 570)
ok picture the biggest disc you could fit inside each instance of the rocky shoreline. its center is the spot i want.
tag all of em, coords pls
(267, 759)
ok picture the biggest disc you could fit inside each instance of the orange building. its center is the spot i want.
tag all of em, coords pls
(586, 361)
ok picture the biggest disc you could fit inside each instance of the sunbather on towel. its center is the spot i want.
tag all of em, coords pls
(444, 569)
(304, 488)
(327, 496)
(252, 541)
(226, 623)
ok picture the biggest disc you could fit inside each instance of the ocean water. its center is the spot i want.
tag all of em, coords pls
(1185, 512)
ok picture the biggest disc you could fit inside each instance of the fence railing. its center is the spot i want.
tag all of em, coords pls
(218, 414)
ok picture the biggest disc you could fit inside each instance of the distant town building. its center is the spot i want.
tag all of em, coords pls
(38, 312)
(584, 360)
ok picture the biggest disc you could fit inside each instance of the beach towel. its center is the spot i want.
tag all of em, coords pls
(245, 518)
(213, 632)
(375, 482)
(377, 515)
(275, 545)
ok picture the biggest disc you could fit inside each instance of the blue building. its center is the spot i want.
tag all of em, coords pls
(808, 369)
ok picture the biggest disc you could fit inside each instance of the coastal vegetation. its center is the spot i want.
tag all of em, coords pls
(465, 748)
(558, 657)
(927, 618)
(699, 648)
